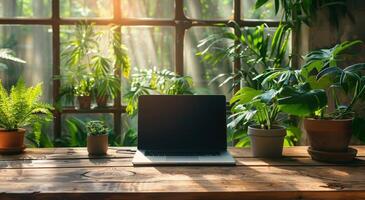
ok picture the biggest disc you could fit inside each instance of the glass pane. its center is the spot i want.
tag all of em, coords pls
(266, 12)
(86, 8)
(208, 9)
(99, 43)
(202, 73)
(129, 126)
(25, 8)
(161, 9)
(150, 46)
(73, 128)
(34, 45)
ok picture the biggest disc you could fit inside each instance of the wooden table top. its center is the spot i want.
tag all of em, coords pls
(69, 173)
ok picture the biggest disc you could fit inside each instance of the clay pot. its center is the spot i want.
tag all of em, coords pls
(267, 142)
(12, 141)
(97, 144)
(84, 102)
(102, 101)
(329, 135)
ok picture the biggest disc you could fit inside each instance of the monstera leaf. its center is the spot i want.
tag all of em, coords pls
(301, 102)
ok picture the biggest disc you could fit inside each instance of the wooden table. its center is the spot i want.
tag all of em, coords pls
(69, 173)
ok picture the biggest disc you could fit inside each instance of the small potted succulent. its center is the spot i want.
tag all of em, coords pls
(258, 109)
(20, 108)
(97, 139)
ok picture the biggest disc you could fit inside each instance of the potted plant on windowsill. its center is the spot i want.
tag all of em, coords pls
(97, 139)
(107, 84)
(19, 108)
(260, 111)
(83, 92)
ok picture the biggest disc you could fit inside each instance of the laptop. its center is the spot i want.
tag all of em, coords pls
(182, 130)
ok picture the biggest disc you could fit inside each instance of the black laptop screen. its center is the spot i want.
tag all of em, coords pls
(182, 123)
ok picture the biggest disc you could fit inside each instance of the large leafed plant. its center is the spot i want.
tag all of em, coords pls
(306, 92)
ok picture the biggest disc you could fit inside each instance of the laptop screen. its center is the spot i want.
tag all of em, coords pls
(182, 123)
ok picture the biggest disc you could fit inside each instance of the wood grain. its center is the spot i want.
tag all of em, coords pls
(69, 173)
(128, 152)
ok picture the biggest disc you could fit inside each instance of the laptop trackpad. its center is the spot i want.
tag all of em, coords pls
(182, 158)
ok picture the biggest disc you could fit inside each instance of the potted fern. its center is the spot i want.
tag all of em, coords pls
(97, 139)
(258, 109)
(19, 108)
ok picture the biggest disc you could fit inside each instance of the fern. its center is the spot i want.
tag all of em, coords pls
(22, 107)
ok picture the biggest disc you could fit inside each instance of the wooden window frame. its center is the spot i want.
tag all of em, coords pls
(180, 22)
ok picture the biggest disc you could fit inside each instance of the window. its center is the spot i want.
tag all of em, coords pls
(158, 33)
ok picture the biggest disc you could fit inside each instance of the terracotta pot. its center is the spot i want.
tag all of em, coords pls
(267, 142)
(84, 102)
(329, 135)
(12, 141)
(97, 144)
(102, 101)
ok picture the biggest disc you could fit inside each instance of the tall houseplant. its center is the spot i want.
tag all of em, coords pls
(254, 47)
(19, 108)
(258, 50)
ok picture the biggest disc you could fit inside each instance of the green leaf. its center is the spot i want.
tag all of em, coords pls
(301, 103)
(328, 71)
(260, 3)
(245, 95)
(268, 96)
(355, 68)
(277, 6)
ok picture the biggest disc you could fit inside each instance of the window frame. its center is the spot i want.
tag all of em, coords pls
(180, 22)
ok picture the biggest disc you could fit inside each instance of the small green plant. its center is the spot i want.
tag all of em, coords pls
(96, 128)
(259, 108)
(153, 81)
(22, 107)
(256, 107)
(85, 87)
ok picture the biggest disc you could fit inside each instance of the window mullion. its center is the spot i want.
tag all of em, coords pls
(56, 64)
(118, 100)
